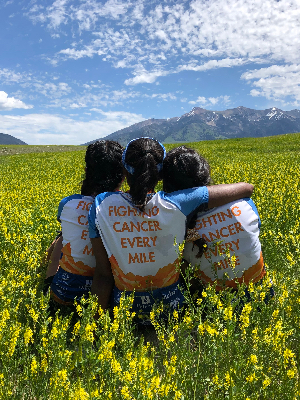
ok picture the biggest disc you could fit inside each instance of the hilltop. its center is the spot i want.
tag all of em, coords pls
(8, 139)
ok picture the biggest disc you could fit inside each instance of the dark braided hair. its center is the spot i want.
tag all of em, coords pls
(144, 155)
(184, 168)
(104, 169)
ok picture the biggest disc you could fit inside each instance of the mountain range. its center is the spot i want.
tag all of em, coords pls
(8, 139)
(200, 124)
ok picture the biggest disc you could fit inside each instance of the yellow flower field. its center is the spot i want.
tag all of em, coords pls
(239, 351)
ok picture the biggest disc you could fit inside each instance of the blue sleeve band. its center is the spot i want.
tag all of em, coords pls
(93, 230)
(251, 203)
(188, 200)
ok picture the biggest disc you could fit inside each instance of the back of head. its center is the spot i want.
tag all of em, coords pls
(143, 159)
(104, 169)
(184, 168)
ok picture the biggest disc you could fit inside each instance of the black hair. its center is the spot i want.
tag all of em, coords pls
(144, 155)
(104, 169)
(184, 168)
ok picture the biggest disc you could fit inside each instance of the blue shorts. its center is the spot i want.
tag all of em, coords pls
(171, 296)
(66, 286)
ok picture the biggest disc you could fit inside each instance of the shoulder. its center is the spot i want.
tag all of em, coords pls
(65, 200)
(251, 204)
(243, 210)
(102, 197)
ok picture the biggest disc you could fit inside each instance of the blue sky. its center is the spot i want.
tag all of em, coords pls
(76, 70)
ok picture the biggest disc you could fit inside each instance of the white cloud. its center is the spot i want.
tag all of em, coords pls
(9, 103)
(86, 13)
(8, 76)
(89, 51)
(145, 77)
(277, 82)
(212, 64)
(52, 90)
(56, 14)
(210, 101)
(163, 96)
(77, 105)
(40, 128)
(194, 35)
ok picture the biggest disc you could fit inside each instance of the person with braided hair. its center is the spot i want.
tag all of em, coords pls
(103, 172)
(138, 230)
(222, 244)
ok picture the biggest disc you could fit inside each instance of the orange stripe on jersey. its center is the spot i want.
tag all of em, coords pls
(68, 264)
(165, 276)
(253, 274)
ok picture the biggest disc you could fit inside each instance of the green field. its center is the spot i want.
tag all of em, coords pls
(253, 354)
(20, 149)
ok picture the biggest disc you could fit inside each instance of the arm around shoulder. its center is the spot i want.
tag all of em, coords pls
(225, 193)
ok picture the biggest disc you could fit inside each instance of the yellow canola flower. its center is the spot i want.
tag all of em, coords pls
(253, 359)
(34, 366)
(228, 380)
(228, 312)
(76, 328)
(115, 366)
(266, 382)
(290, 373)
(251, 378)
(44, 363)
(80, 394)
(15, 332)
(215, 379)
(62, 379)
(28, 336)
(88, 332)
(125, 392)
(288, 354)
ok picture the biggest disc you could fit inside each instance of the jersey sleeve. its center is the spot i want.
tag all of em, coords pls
(60, 208)
(188, 200)
(64, 202)
(93, 230)
(251, 203)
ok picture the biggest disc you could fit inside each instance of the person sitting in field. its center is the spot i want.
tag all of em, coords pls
(72, 262)
(137, 230)
(224, 244)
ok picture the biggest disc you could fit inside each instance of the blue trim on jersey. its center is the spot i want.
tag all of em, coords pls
(64, 201)
(251, 203)
(187, 200)
(93, 230)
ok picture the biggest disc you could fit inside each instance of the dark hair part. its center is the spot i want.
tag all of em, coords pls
(184, 168)
(144, 155)
(104, 169)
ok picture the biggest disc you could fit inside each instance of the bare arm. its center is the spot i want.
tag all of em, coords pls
(225, 193)
(103, 280)
(53, 257)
